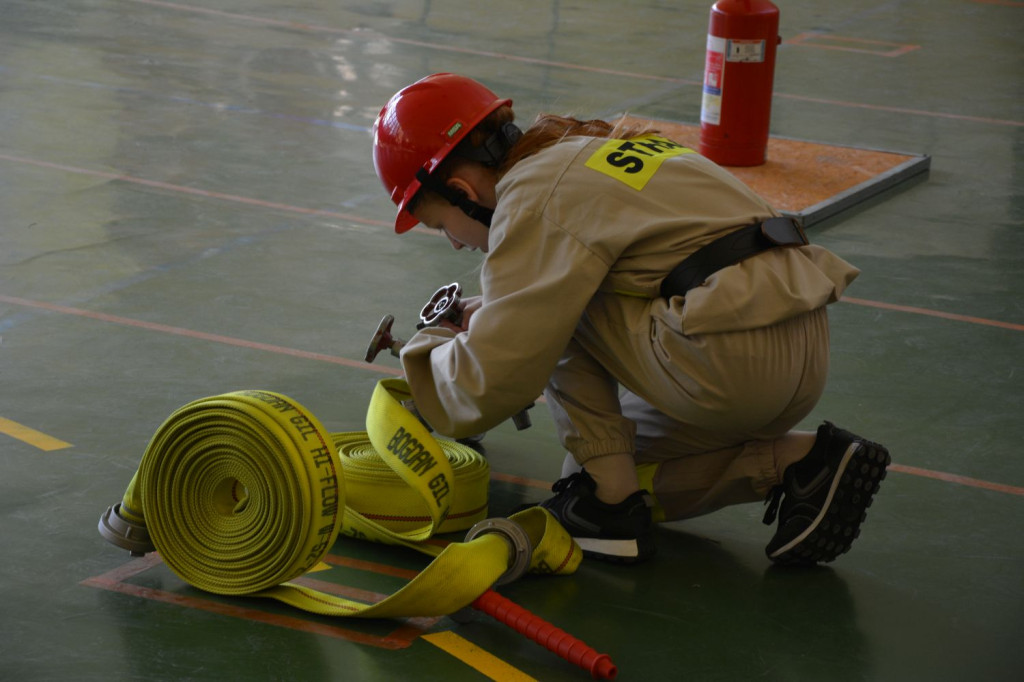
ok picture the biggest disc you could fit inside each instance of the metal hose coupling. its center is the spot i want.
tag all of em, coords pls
(519, 545)
(119, 531)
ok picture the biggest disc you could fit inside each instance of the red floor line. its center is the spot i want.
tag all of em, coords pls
(956, 478)
(818, 40)
(208, 194)
(401, 641)
(194, 191)
(366, 221)
(565, 65)
(320, 357)
(901, 468)
(519, 480)
(840, 48)
(406, 630)
(189, 333)
(246, 17)
(900, 110)
(316, 28)
(371, 566)
(412, 627)
(933, 313)
(546, 62)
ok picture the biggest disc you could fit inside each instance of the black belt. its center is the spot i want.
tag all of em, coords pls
(731, 249)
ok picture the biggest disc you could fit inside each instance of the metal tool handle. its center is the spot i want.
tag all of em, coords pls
(382, 339)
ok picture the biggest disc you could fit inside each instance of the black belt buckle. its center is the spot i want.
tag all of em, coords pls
(783, 232)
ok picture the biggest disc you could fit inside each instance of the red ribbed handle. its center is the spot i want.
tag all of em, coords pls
(547, 635)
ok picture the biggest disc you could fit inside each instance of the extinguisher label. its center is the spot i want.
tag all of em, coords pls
(635, 161)
(745, 51)
(714, 75)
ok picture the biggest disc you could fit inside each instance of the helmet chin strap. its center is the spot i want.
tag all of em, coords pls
(456, 198)
(491, 153)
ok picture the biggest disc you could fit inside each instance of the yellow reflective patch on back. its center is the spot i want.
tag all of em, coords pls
(635, 161)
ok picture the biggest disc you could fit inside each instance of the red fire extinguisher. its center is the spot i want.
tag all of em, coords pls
(737, 99)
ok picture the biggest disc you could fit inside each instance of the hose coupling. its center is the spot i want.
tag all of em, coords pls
(123, 533)
(519, 544)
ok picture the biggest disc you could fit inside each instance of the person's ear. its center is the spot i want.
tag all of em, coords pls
(463, 187)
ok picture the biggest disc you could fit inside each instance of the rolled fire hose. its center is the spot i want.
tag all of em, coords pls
(244, 492)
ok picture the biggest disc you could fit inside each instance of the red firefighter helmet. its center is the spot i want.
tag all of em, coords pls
(419, 127)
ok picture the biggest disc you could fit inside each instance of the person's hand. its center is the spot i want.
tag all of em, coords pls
(468, 306)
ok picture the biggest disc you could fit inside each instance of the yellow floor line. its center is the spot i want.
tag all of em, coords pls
(31, 436)
(475, 657)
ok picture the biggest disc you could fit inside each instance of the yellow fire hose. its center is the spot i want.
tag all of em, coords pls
(244, 492)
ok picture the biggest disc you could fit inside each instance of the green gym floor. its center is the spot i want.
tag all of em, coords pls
(188, 207)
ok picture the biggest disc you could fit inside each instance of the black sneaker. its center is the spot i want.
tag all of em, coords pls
(620, 533)
(824, 497)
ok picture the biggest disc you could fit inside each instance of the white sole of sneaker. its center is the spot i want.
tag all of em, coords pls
(824, 508)
(613, 550)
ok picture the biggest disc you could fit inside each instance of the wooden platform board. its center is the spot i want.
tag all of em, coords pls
(811, 181)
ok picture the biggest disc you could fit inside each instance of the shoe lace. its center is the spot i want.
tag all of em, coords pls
(772, 501)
